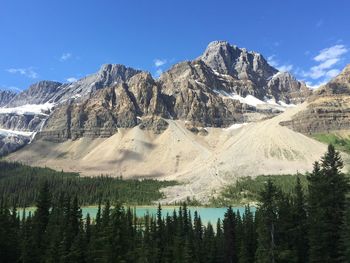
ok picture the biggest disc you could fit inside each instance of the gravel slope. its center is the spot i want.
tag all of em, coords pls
(203, 163)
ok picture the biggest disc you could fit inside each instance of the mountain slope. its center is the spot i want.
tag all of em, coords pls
(5, 97)
(203, 163)
(328, 108)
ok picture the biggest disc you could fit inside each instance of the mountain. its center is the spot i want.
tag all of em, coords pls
(204, 122)
(38, 93)
(108, 109)
(328, 109)
(5, 97)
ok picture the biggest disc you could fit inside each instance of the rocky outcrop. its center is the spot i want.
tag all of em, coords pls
(18, 122)
(284, 87)
(6, 96)
(120, 106)
(11, 143)
(328, 108)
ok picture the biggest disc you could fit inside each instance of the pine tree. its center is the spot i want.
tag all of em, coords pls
(299, 230)
(327, 190)
(41, 220)
(230, 253)
(267, 219)
(346, 232)
(248, 242)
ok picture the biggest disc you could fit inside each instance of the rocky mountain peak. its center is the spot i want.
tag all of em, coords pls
(116, 72)
(108, 75)
(38, 93)
(237, 62)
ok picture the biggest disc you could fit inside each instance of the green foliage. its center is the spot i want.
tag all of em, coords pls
(327, 195)
(295, 226)
(246, 190)
(340, 143)
(19, 184)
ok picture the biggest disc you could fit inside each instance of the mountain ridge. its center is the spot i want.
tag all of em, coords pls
(223, 86)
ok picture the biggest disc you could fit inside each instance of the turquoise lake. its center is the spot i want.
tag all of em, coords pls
(207, 214)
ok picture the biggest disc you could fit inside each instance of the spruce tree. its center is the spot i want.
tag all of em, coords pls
(266, 229)
(327, 191)
(230, 252)
(299, 230)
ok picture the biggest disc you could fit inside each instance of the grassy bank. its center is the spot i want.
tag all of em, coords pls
(340, 142)
(246, 190)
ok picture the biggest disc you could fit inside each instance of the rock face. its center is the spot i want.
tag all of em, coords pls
(5, 97)
(284, 87)
(122, 105)
(328, 108)
(11, 143)
(192, 93)
(252, 73)
(249, 67)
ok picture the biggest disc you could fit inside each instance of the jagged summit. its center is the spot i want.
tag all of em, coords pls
(232, 60)
(38, 93)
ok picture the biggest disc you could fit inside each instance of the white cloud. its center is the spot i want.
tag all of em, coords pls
(159, 62)
(330, 53)
(28, 72)
(65, 56)
(71, 79)
(275, 63)
(327, 59)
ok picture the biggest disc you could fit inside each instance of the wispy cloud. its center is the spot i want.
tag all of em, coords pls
(65, 56)
(327, 60)
(159, 62)
(71, 79)
(276, 64)
(333, 52)
(27, 72)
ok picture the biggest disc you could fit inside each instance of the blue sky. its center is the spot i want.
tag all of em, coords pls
(66, 40)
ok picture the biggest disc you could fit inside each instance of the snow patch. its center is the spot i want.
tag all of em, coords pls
(253, 101)
(250, 100)
(29, 109)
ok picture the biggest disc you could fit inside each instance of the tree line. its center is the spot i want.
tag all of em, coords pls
(19, 185)
(312, 226)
